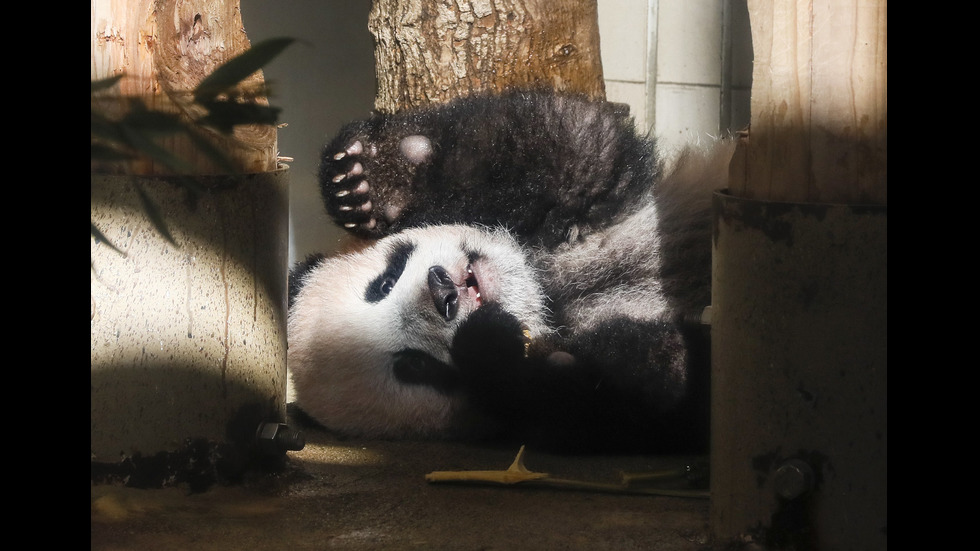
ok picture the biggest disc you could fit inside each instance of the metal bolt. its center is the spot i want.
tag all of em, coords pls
(699, 318)
(279, 438)
(793, 479)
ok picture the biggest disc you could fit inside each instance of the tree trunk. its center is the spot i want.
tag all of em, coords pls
(431, 51)
(189, 333)
(165, 48)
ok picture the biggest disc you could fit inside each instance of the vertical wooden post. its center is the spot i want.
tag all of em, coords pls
(819, 103)
(188, 335)
(165, 48)
(799, 287)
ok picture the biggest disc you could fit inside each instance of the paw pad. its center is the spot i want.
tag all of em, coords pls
(417, 149)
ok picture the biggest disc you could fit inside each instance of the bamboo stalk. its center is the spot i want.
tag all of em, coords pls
(518, 475)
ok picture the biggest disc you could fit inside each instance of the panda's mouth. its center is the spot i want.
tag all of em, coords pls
(473, 285)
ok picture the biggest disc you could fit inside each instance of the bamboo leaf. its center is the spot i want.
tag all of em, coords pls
(100, 237)
(238, 68)
(142, 143)
(153, 213)
(105, 152)
(105, 129)
(217, 155)
(225, 115)
(105, 83)
(153, 121)
(134, 134)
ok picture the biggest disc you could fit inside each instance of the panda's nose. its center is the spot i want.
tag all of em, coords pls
(443, 291)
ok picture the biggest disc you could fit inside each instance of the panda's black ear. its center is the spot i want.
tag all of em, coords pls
(415, 367)
(297, 275)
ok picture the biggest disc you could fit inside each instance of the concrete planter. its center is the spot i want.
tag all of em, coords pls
(188, 342)
(799, 374)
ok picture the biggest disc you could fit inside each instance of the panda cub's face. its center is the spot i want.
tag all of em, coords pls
(355, 313)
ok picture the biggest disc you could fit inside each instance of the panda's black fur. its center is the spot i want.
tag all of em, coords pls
(531, 280)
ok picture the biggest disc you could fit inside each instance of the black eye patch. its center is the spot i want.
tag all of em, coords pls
(414, 367)
(384, 283)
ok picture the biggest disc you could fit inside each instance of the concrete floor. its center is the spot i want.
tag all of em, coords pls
(373, 495)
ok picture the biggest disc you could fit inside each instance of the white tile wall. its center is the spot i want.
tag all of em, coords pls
(623, 35)
(689, 42)
(688, 79)
(632, 93)
(677, 96)
(624, 41)
(686, 114)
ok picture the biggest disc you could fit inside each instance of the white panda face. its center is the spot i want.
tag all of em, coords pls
(412, 290)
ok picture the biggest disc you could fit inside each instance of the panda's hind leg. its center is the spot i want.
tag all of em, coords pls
(372, 173)
(345, 187)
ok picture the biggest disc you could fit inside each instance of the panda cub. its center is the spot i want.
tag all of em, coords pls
(530, 280)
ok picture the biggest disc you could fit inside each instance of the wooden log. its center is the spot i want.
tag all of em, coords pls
(432, 51)
(165, 48)
(819, 103)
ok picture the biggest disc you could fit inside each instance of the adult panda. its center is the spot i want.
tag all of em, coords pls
(531, 280)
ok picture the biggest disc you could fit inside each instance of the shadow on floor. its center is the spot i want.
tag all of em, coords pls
(373, 495)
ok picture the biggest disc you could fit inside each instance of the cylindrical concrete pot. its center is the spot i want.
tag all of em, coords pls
(799, 373)
(188, 341)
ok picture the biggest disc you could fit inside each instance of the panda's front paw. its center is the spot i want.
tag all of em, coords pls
(489, 344)
(346, 189)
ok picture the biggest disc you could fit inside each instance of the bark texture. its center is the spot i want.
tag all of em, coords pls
(431, 51)
(165, 48)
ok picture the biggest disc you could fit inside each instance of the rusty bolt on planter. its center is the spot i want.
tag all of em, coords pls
(793, 479)
(276, 438)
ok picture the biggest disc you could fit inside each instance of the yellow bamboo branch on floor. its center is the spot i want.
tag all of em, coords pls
(518, 474)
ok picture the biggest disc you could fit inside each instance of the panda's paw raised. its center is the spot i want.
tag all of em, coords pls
(346, 189)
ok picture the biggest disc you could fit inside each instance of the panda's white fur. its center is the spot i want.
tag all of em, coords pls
(527, 219)
(341, 347)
